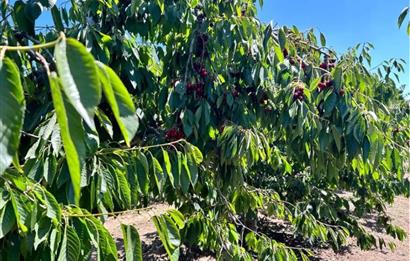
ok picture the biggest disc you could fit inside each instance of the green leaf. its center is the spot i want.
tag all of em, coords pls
(168, 167)
(120, 102)
(169, 235)
(195, 153)
(188, 121)
(337, 138)
(160, 226)
(55, 13)
(53, 209)
(8, 220)
(322, 39)
(20, 211)
(41, 229)
(105, 122)
(282, 38)
(338, 77)
(72, 156)
(366, 148)
(70, 247)
(125, 191)
(173, 232)
(142, 172)
(402, 16)
(22, 20)
(178, 217)
(11, 113)
(106, 248)
(330, 103)
(185, 178)
(158, 173)
(79, 78)
(33, 10)
(278, 53)
(132, 243)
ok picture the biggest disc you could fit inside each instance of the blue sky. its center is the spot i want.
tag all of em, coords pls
(346, 23)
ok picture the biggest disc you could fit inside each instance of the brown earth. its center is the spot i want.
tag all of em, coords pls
(400, 214)
(152, 249)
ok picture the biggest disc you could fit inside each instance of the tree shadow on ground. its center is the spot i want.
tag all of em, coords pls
(276, 229)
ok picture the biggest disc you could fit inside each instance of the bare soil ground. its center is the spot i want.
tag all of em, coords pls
(152, 249)
(400, 213)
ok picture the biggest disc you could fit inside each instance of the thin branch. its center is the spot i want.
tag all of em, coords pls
(110, 150)
(5, 17)
(33, 47)
(115, 213)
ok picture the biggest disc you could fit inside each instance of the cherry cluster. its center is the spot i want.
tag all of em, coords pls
(298, 62)
(201, 70)
(325, 85)
(328, 64)
(174, 134)
(329, 84)
(298, 94)
(197, 88)
(294, 62)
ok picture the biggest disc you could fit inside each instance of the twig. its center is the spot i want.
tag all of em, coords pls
(2, 53)
(44, 62)
(5, 17)
(109, 150)
(34, 47)
(106, 214)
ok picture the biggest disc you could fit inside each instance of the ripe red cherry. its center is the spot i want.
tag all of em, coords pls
(330, 83)
(199, 89)
(174, 134)
(342, 92)
(235, 93)
(298, 94)
(323, 65)
(292, 61)
(321, 86)
(285, 53)
(190, 88)
(203, 73)
(179, 134)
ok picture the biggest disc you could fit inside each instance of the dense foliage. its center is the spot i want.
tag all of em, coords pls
(199, 104)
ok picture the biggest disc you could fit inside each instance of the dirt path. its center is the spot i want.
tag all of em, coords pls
(152, 249)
